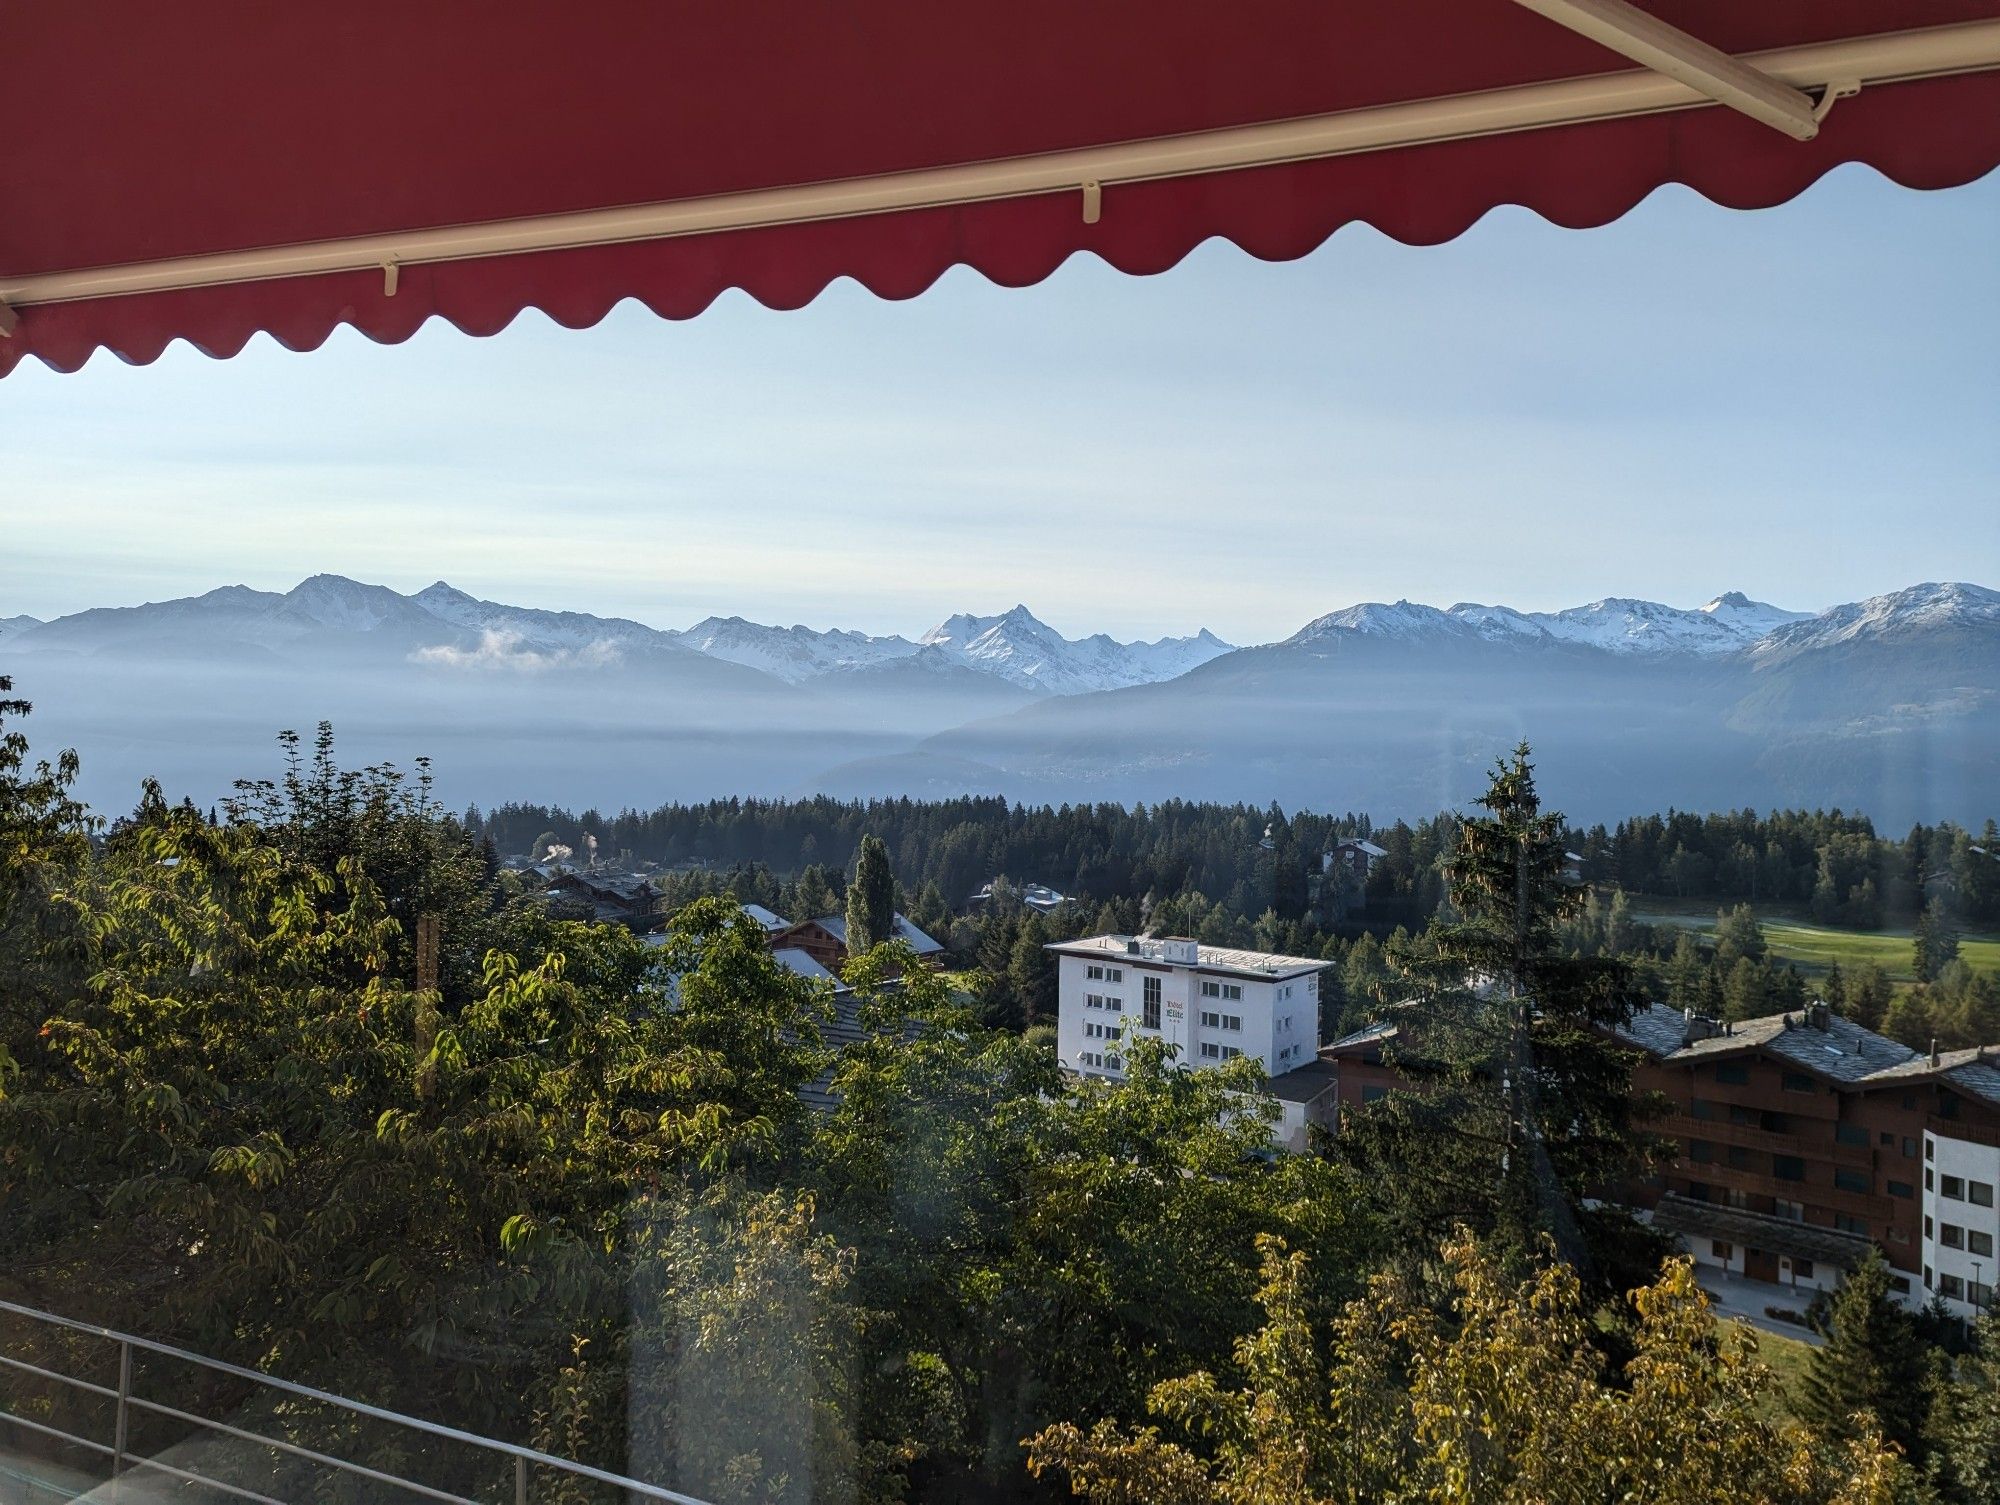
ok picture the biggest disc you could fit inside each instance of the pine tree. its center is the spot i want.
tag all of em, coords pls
(1934, 944)
(1964, 1434)
(871, 899)
(1529, 1109)
(1873, 1360)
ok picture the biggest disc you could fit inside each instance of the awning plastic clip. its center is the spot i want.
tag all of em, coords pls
(391, 270)
(1093, 202)
(1839, 88)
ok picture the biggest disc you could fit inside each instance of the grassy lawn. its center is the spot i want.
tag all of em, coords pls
(1814, 947)
(1786, 1359)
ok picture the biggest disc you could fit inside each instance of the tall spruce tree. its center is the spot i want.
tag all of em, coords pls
(1527, 1107)
(1873, 1360)
(871, 899)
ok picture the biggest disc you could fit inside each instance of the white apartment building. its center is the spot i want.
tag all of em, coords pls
(1961, 1223)
(1211, 1003)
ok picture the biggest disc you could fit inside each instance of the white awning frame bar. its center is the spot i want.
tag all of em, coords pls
(1653, 43)
(1884, 58)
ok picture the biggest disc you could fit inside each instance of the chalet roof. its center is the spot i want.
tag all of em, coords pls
(1836, 1049)
(765, 917)
(1359, 844)
(836, 926)
(1759, 1230)
(796, 961)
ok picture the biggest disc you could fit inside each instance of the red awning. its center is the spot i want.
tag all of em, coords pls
(135, 135)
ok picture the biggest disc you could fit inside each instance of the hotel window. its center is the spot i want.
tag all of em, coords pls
(1850, 1134)
(1112, 1063)
(1900, 1284)
(1846, 1224)
(1210, 1020)
(1802, 1269)
(1210, 1051)
(1791, 1212)
(1979, 1293)
(1901, 1189)
(1232, 1021)
(1094, 972)
(1230, 1052)
(1701, 1107)
(1797, 1081)
(1115, 1005)
(1736, 1197)
(1152, 1002)
(1952, 1189)
(1951, 1235)
(1698, 1191)
(1978, 1243)
(1373, 1094)
(1929, 1184)
(1739, 1158)
(1788, 1168)
(1859, 1181)
(1232, 991)
(1700, 1151)
(1721, 1251)
(1952, 1287)
(1927, 1227)
(1888, 1138)
(1979, 1193)
(1733, 1074)
(1909, 1148)
(1930, 1150)
(1738, 1114)
(1114, 974)
(1211, 990)
(1093, 1000)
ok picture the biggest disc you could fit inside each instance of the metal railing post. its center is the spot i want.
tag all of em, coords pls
(119, 1424)
(520, 1480)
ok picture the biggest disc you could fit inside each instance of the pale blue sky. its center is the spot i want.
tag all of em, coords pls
(1802, 403)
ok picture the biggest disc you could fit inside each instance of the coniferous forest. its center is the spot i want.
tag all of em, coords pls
(545, 1182)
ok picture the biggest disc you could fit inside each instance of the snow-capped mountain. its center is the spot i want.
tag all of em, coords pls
(1026, 651)
(794, 654)
(1920, 612)
(441, 626)
(571, 630)
(1616, 624)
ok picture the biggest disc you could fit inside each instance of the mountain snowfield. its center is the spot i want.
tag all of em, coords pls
(1727, 624)
(1889, 705)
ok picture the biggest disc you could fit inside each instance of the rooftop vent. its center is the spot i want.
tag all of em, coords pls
(1698, 1027)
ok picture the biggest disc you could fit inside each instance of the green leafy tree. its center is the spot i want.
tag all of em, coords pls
(1503, 1403)
(871, 899)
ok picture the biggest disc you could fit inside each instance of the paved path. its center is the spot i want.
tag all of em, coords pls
(1745, 1299)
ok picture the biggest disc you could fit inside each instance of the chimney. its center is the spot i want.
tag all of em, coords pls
(1817, 1014)
(1935, 1059)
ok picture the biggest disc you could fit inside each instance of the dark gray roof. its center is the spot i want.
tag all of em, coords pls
(1841, 1051)
(1303, 1084)
(836, 926)
(1759, 1230)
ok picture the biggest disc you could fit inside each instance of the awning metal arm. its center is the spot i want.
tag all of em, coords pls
(9, 320)
(1652, 43)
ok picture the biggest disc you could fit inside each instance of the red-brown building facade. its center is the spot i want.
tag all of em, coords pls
(1799, 1140)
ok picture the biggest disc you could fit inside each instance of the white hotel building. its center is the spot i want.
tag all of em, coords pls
(1211, 1003)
